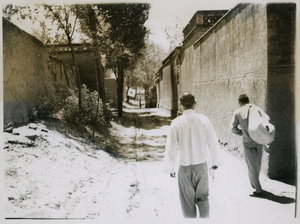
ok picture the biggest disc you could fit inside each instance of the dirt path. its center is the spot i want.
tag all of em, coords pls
(51, 174)
(143, 133)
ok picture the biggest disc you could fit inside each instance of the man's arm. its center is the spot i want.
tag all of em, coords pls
(213, 145)
(234, 125)
(171, 152)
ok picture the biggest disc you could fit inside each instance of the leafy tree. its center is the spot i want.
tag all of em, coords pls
(9, 11)
(153, 58)
(127, 35)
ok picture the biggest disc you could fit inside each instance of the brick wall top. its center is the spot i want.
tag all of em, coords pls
(205, 18)
(222, 22)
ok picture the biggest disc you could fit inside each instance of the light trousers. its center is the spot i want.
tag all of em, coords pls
(253, 156)
(193, 190)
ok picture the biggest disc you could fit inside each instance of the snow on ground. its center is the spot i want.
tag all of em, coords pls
(53, 175)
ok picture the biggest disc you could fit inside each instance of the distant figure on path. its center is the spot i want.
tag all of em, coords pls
(190, 136)
(140, 102)
(252, 150)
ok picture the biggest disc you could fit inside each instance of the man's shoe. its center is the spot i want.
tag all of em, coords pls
(257, 194)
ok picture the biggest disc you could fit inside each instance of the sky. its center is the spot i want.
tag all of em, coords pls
(162, 13)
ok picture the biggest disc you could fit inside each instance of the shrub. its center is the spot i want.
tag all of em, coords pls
(87, 115)
(65, 104)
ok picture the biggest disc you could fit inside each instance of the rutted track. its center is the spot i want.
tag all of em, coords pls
(144, 134)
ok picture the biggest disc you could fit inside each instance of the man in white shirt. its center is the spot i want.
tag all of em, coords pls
(191, 135)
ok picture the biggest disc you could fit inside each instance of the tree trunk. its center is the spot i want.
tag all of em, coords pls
(146, 88)
(120, 82)
(100, 76)
(98, 90)
(77, 75)
(101, 82)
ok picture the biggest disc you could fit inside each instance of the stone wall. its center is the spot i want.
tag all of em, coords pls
(27, 79)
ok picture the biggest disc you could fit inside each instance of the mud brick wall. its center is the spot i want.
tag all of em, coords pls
(165, 101)
(62, 74)
(250, 50)
(27, 79)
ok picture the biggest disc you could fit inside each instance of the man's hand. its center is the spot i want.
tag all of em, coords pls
(173, 174)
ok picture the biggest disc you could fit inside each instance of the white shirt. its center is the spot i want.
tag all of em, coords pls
(191, 135)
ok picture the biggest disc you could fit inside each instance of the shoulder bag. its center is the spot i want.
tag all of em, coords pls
(259, 128)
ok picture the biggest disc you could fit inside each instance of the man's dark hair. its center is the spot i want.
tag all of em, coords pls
(187, 100)
(243, 99)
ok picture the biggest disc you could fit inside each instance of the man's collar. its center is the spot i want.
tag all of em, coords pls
(189, 111)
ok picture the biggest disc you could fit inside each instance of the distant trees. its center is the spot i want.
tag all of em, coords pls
(174, 33)
(132, 79)
(149, 64)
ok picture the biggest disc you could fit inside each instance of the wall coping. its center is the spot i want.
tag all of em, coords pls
(62, 48)
(167, 60)
(197, 22)
(219, 23)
